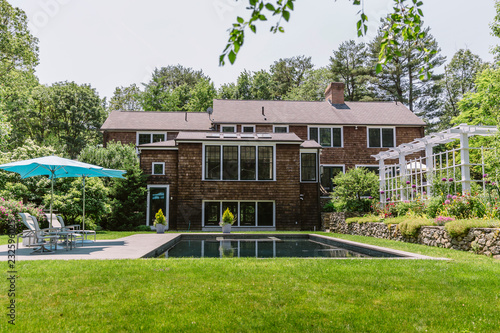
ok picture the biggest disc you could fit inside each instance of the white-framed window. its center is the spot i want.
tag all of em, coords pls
(238, 162)
(308, 166)
(327, 136)
(381, 137)
(150, 137)
(248, 128)
(228, 128)
(280, 128)
(158, 168)
(328, 172)
(370, 167)
(247, 213)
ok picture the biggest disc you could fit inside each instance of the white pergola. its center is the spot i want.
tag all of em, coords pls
(461, 132)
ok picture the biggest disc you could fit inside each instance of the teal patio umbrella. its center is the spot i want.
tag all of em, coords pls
(58, 167)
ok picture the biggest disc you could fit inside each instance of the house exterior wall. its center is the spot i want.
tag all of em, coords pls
(188, 190)
(123, 137)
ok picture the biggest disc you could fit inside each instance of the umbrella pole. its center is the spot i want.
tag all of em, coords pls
(83, 218)
(51, 198)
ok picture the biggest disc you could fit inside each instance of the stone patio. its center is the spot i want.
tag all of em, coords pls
(131, 247)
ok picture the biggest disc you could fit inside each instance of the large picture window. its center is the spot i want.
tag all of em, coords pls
(239, 162)
(326, 136)
(246, 213)
(381, 137)
(308, 167)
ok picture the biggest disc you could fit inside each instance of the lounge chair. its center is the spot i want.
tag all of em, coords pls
(66, 233)
(40, 235)
(76, 228)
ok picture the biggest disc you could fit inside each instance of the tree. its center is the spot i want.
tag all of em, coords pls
(170, 88)
(350, 63)
(262, 85)
(406, 23)
(483, 105)
(18, 47)
(244, 85)
(313, 87)
(126, 99)
(227, 91)
(72, 114)
(127, 197)
(30, 189)
(115, 156)
(289, 73)
(400, 79)
(459, 76)
(202, 96)
(5, 129)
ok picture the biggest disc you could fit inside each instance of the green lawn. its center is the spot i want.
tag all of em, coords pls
(281, 295)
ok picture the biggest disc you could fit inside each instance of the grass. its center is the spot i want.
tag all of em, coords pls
(252, 295)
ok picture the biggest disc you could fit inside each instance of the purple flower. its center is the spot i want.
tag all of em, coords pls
(444, 179)
(485, 175)
(449, 196)
(414, 186)
(407, 182)
(454, 197)
(424, 193)
(451, 179)
(447, 202)
(382, 192)
(370, 197)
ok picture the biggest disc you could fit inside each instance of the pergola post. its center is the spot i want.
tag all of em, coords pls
(465, 162)
(429, 166)
(381, 173)
(402, 174)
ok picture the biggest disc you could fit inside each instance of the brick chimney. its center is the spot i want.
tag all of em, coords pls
(334, 93)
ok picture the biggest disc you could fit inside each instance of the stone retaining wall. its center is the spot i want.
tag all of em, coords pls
(478, 240)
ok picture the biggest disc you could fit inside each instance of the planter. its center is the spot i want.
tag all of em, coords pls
(160, 228)
(226, 228)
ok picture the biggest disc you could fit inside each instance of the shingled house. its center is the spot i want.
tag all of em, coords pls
(267, 161)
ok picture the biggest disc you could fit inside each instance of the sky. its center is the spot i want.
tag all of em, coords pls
(111, 43)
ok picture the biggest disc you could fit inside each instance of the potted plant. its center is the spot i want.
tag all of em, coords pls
(227, 221)
(160, 222)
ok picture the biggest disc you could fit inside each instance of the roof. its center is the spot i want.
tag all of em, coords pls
(217, 136)
(168, 143)
(321, 113)
(310, 144)
(157, 121)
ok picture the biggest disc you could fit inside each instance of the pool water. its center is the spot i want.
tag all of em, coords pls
(265, 247)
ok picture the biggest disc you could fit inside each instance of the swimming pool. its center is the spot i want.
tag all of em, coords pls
(273, 246)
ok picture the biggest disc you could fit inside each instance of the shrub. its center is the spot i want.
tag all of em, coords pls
(329, 207)
(352, 220)
(143, 228)
(9, 210)
(433, 206)
(352, 189)
(395, 220)
(415, 207)
(369, 218)
(411, 226)
(461, 227)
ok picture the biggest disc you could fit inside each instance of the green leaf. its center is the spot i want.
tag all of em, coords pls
(286, 15)
(232, 57)
(378, 68)
(270, 7)
(240, 19)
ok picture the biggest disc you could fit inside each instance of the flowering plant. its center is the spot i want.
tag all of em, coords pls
(160, 218)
